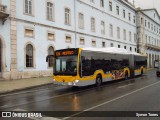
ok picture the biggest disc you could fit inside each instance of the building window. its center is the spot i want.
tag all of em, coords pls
(111, 45)
(68, 39)
(102, 27)
(50, 11)
(117, 9)
(125, 47)
(82, 41)
(130, 36)
(149, 40)
(110, 6)
(81, 21)
(29, 55)
(29, 32)
(67, 16)
(149, 25)
(141, 21)
(129, 16)
(135, 37)
(93, 29)
(50, 60)
(119, 46)
(50, 36)
(102, 3)
(118, 33)
(93, 43)
(111, 30)
(145, 23)
(103, 44)
(28, 6)
(130, 48)
(124, 14)
(135, 50)
(134, 19)
(146, 38)
(124, 34)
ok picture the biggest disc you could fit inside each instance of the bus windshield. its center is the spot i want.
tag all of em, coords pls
(66, 65)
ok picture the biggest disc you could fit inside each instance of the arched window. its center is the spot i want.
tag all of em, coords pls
(29, 55)
(50, 11)
(50, 52)
(28, 6)
(67, 16)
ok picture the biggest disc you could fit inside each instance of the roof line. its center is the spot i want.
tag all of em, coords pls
(152, 9)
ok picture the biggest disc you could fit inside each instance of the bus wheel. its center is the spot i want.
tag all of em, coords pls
(98, 81)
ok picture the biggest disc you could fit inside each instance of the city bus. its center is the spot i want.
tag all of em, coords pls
(88, 66)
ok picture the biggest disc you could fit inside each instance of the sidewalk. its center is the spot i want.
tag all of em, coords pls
(14, 85)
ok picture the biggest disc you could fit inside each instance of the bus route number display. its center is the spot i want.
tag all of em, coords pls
(66, 52)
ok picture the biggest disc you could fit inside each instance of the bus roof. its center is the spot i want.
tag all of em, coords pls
(112, 50)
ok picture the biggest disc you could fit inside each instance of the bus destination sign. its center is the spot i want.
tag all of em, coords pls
(66, 52)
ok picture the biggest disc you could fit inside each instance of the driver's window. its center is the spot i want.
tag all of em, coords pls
(63, 65)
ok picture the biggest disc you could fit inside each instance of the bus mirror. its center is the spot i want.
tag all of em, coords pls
(48, 57)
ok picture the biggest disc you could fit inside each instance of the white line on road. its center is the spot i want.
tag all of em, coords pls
(135, 91)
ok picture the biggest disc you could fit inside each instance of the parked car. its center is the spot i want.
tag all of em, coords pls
(158, 71)
(157, 65)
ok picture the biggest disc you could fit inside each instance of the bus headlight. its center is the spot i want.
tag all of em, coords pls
(76, 81)
(69, 83)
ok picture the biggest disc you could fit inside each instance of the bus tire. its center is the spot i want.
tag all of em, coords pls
(98, 80)
(126, 75)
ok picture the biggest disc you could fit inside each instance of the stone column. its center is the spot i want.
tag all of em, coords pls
(13, 32)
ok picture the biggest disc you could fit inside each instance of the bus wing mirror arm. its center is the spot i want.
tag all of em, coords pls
(49, 56)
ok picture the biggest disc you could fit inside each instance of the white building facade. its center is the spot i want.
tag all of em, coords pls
(148, 29)
(32, 29)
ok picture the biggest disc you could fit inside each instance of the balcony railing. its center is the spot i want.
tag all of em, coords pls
(150, 46)
(3, 13)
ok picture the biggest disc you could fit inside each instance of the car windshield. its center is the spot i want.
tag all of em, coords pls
(66, 65)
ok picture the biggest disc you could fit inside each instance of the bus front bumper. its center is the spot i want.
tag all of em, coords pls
(75, 83)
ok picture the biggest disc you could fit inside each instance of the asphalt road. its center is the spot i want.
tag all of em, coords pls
(138, 94)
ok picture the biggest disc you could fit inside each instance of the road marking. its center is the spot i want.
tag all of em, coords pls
(12, 94)
(124, 86)
(5, 107)
(43, 118)
(112, 100)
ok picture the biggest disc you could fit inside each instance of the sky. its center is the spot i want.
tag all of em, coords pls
(146, 4)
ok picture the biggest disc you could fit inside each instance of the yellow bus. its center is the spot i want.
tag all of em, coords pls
(88, 66)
